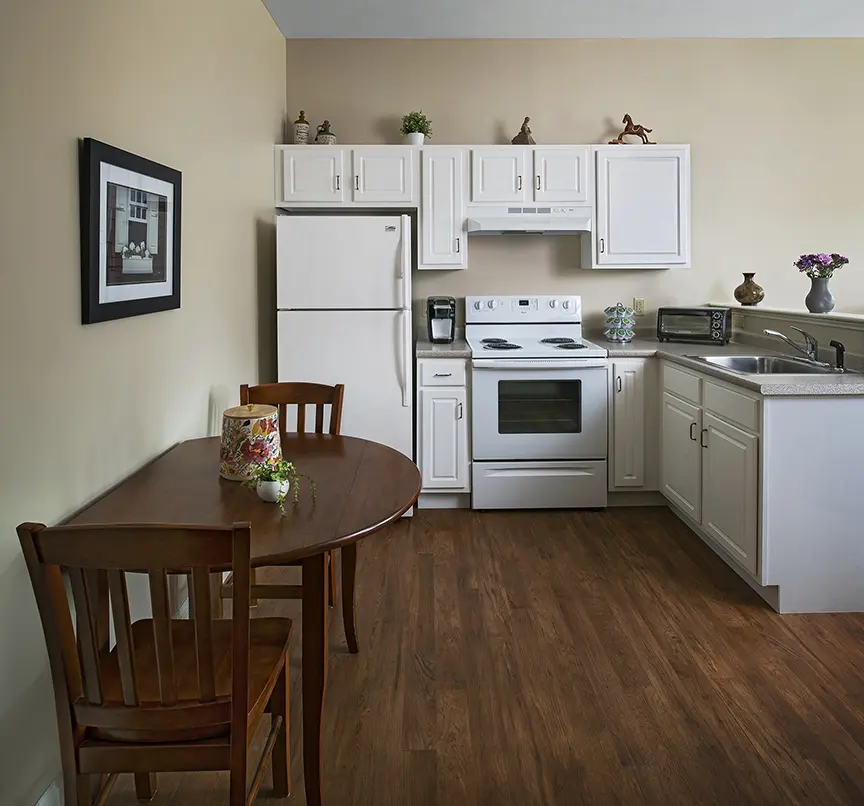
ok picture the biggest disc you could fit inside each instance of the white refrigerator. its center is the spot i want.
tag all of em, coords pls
(343, 299)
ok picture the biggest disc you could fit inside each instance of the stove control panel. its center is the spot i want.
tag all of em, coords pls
(504, 310)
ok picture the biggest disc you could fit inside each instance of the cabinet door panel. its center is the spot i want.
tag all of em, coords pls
(561, 175)
(442, 211)
(628, 423)
(498, 175)
(312, 175)
(681, 466)
(643, 201)
(383, 175)
(443, 439)
(730, 464)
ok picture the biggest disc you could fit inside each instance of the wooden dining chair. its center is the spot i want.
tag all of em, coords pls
(172, 695)
(283, 395)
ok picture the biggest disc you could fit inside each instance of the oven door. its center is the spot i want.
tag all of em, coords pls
(539, 408)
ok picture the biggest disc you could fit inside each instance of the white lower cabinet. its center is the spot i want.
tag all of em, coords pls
(710, 461)
(633, 439)
(681, 460)
(443, 452)
(730, 489)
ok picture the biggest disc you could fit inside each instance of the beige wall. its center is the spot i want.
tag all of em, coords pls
(776, 155)
(199, 86)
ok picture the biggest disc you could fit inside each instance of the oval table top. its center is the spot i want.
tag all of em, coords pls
(361, 487)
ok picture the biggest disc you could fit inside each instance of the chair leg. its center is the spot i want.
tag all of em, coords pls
(145, 785)
(331, 593)
(80, 791)
(280, 706)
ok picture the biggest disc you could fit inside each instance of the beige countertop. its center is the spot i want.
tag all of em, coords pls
(768, 385)
(457, 349)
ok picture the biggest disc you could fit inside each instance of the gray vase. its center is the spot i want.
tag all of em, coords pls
(820, 299)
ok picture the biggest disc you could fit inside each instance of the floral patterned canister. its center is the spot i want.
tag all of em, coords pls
(250, 437)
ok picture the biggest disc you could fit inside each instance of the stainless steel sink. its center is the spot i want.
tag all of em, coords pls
(764, 365)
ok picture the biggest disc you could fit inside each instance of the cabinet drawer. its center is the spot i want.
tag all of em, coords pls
(739, 409)
(682, 384)
(441, 372)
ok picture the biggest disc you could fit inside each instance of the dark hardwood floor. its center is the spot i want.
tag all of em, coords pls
(571, 658)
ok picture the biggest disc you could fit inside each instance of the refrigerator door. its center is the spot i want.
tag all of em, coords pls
(343, 262)
(367, 351)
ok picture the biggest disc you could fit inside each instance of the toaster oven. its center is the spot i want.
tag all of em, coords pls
(712, 325)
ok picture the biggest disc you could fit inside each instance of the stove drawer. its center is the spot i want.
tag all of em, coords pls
(538, 485)
(442, 372)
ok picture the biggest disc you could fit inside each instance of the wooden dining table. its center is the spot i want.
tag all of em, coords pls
(361, 487)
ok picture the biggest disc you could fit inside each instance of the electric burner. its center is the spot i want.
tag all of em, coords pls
(570, 345)
(500, 345)
(558, 340)
(492, 341)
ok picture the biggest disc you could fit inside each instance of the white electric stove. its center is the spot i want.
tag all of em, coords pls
(539, 403)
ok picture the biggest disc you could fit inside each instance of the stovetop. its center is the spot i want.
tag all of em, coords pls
(531, 341)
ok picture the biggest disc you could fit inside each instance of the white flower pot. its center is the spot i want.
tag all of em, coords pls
(269, 491)
(415, 138)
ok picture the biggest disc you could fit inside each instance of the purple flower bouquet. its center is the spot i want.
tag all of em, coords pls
(820, 265)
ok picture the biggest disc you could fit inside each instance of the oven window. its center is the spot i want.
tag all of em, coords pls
(539, 407)
(687, 323)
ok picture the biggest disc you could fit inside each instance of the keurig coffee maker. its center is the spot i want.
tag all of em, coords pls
(441, 315)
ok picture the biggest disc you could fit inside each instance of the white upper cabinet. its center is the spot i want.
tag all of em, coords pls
(561, 175)
(310, 174)
(643, 207)
(384, 175)
(498, 175)
(443, 234)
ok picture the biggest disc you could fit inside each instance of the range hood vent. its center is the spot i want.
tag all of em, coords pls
(534, 220)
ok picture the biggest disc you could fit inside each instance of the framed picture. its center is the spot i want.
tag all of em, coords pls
(130, 234)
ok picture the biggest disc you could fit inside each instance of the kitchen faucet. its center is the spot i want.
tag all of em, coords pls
(810, 348)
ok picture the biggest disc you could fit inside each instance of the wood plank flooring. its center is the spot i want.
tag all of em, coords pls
(571, 658)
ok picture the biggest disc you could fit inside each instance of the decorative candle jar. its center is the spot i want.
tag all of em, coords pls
(250, 437)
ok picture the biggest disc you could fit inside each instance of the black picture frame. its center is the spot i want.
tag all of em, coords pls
(98, 265)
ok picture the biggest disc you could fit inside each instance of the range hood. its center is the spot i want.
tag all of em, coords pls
(535, 220)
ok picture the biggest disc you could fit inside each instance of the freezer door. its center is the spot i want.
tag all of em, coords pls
(343, 262)
(369, 352)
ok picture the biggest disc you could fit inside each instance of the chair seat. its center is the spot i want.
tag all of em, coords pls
(268, 647)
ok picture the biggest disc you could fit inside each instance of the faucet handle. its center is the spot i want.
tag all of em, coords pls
(810, 343)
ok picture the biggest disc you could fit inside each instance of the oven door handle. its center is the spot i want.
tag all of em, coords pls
(539, 363)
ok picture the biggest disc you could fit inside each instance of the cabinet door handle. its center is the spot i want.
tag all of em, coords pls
(458, 245)
(338, 182)
(459, 411)
(443, 374)
(602, 246)
(357, 182)
(618, 381)
(519, 182)
(692, 431)
(702, 438)
(538, 181)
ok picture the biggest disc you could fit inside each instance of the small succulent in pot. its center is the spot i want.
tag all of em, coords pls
(273, 480)
(416, 127)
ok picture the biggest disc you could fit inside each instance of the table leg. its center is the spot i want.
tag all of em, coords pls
(349, 577)
(315, 652)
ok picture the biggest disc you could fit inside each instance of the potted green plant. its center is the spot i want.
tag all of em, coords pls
(416, 127)
(273, 481)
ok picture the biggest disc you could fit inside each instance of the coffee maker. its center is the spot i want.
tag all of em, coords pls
(441, 316)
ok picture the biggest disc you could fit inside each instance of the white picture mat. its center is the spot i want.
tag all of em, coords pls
(122, 293)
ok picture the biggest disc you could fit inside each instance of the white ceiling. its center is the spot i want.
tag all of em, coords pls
(492, 19)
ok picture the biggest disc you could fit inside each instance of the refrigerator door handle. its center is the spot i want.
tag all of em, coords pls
(405, 263)
(406, 358)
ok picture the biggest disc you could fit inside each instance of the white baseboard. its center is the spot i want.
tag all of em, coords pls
(444, 501)
(636, 498)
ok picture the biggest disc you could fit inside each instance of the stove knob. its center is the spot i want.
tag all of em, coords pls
(566, 304)
(478, 305)
(492, 304)
(553, 303)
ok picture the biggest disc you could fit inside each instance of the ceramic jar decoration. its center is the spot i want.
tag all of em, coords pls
(301, 130)
(749, 292)
(250, 437)
(620, 323)
(325, 137)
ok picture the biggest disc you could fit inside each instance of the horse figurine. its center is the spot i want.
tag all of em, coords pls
(636, 129)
